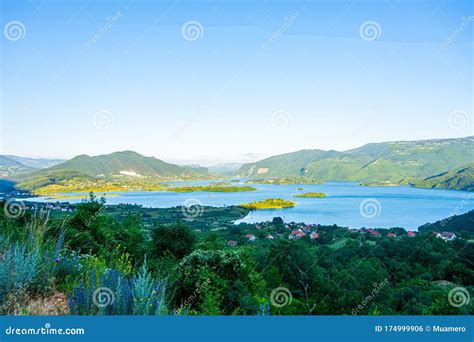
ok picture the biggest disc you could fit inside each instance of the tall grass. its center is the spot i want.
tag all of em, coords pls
(27, 259)
(115, 294)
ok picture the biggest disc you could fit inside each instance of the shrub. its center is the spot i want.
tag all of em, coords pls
(115, 294)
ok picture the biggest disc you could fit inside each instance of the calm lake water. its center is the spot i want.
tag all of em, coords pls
(347, 204)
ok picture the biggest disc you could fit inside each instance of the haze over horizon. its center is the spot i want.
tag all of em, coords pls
(247, 158)
(249, 81)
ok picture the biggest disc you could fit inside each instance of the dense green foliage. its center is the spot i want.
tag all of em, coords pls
(177, 241)
(376, 162)
(191, 268)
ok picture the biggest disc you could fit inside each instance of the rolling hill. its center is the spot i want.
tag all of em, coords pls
(127, 163)
(115, 171)
(455, 223)
(396, 162)
(458, 179)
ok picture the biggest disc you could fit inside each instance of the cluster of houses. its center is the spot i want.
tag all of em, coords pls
(375, 233)
(58, 206)
(300, 230)
(297, 232)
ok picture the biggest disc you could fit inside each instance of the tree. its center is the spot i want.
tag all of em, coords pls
(217, 281)
(177, 240)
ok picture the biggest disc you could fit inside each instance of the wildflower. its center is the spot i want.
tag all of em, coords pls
(57, 260)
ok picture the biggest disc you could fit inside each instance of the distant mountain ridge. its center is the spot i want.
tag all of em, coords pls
(398, 161)
(10, 165)
(227, 169)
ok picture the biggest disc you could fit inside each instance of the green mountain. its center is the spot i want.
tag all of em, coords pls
(109, 172)
(456, 223)
(396, 162)
(458, 179)
(127, 163)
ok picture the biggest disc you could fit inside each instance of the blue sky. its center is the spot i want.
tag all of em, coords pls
(262, 77)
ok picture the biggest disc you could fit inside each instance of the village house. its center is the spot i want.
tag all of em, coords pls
(446, 236)
(314, 235)
(250, 237)
(231, 243)
(269, 236)
(392, 235)
(296, 234)
(373, 232)
(411, 233)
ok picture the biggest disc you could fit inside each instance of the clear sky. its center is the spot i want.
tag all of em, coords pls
(244, 80)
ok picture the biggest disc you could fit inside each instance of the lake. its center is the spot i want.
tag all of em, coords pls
(348, 204)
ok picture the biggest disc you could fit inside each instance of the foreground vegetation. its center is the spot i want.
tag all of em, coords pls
(53, 263)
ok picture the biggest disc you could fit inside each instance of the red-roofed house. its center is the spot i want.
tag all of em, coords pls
(296, 234)
(231, 243)
(314, 235)
(373, 232)
(411, 233)
(391, 235)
